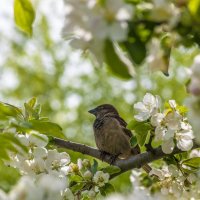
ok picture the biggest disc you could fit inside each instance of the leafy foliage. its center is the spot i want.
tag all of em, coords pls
(141, 130)
(115, 64)
(75, 119)
(192, 162)
(24, 15)
(10, 144)
(29, 119)
(111, 170)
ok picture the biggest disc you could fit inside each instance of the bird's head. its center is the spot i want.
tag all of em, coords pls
(103, 109)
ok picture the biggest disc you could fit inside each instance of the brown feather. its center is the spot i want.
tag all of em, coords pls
(111, 134)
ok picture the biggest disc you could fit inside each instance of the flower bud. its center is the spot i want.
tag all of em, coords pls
(86, 163)
(87, 175)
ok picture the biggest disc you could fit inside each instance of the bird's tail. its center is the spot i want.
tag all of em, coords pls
(146, 168)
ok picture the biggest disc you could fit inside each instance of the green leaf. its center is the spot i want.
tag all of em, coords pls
(94, 166)
(189, 170)
(77, 187)
(28, 111)
(111, 170)
(166, 45)
(141, 130)
(8, 142)
(85, 198)
(106, 189)
(37, 112)
(44, 127)
(75, 178)
(32, 110)
(32, 102)
(133, 141)
(131, 125)
(8, 110)
(146, 180)
(115, 63)
(194, 8)
(170, 160)
(136, 50)
(9, 177)
(47, 128)
(24, 15)
(192, 162)
(182, 156)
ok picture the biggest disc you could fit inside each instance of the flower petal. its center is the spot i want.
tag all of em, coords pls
(168, 146)
(184, 144)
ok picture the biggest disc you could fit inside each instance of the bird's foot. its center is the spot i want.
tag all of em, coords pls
(113, 158)
(103, 154)
(135, 150)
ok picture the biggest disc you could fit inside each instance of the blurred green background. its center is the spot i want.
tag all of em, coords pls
(68, 84)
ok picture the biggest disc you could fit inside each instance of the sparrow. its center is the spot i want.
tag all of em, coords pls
(111, 135)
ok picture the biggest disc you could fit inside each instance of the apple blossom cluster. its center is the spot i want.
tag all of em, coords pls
(90, 22)
(39, 160)
(169, 127)
(170, 184)
(49, 174)
(172, 181)
(45, 186)
(90, 181)
(43, 170)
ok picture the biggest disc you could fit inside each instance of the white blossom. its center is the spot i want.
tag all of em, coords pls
(52, 183)
(87, 175)
(173, 120)
(184, 139)
(148, 107)
(163, 10)
(3, 195)
(89, 23)
(160, 131)
(86, 163)
(100, 178)
(68, 195)
(56, 160)
(33, 139)
(192, 178)
(195, 153)
(171, 180)
(194, 86)
(48, 187)
(80, 163)
(25, 189)
(157, 119)
(40, 152)
(155, 58)
(168, 146)
(171, 127)
(193, 103)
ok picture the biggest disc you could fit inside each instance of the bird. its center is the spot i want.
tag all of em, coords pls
(111, 134)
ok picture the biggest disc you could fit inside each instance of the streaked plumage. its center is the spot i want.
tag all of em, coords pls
(111, 134)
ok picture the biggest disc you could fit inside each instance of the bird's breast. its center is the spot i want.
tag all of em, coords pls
(109, 136)
(98, 124)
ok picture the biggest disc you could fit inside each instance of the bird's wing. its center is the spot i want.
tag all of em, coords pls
(121, 121)
(127, 132)
(124, 124)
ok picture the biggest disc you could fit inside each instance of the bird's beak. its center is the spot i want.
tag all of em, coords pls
(92, 111)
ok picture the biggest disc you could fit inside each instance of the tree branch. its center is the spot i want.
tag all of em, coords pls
(135, 161)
